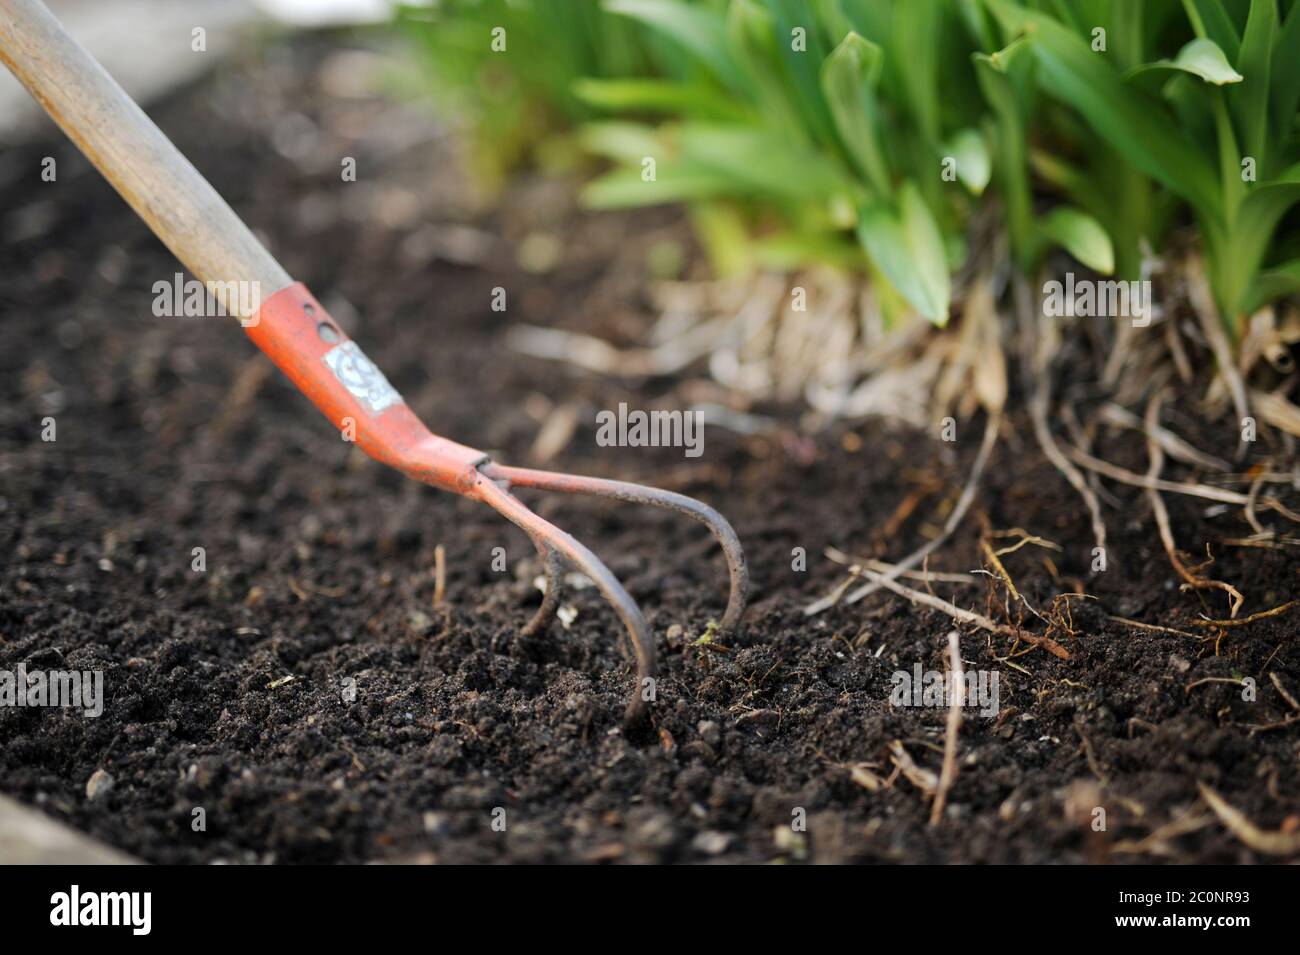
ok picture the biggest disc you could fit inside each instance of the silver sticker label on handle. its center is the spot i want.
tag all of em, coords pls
(361, 377)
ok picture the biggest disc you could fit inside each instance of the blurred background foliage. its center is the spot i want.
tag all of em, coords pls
(868, 134)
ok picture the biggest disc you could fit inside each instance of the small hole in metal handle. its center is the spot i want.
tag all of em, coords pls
(327, 332)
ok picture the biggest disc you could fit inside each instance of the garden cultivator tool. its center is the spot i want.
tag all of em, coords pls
(292, 328)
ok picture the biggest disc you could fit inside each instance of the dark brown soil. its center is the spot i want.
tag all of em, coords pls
(173, 435)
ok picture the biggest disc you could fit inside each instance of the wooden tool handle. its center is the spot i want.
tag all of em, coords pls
(131, 152)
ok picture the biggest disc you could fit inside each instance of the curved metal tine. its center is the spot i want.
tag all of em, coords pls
(539, 528)
(641, 494)
(551, 599)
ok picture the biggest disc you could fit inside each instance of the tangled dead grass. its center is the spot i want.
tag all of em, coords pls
(822, 338)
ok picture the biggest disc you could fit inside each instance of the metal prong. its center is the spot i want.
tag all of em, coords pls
(640, 494)
(551, 599)
(564, 544)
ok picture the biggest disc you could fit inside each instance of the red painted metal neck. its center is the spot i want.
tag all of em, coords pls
(296, 333)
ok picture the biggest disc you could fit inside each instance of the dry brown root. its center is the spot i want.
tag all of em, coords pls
(823, 336)
(957, 700)
(1283, 692)
(924, 575)
(915, 558)
(966, 616)
(1157, 456)
(820, 336)
(1243, 621)
(1039, 403)
(1190, 488)
(1269, 843)
(1172, 444)
(1158, 841)
(1202, 301)
(439, 575)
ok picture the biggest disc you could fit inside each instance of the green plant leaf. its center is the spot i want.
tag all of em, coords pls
(907, 248)
(1187, 96)
(615, 139)
(799, 250)
(871, 18)
(722, 232)
(1210, 20)
(1270, 285)
(916, 46)
(674, 182)
(802, 67)
(697, 29)
(750, 37)
(977, 23)
(1285, 95)
(1269, 201)
(1200, 57)
(690, 100)
(974, 164)
(1004, 78)
(849, 78)
(1249, 100)
(709, 160)
(1137, 126)
(1082, 236)
(1237, 258)
(762, 162)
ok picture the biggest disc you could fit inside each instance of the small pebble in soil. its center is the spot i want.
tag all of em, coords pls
(790, 843)
(652, 836)
(99, 783)
(711, 843)
(710, 733)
